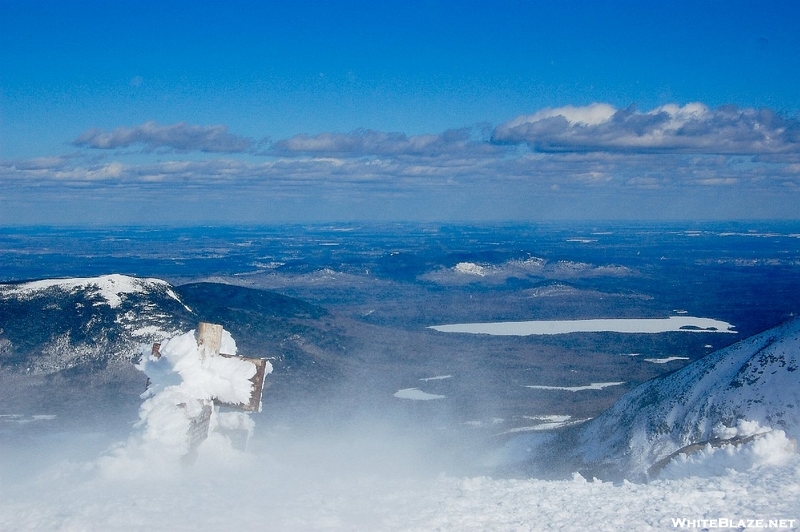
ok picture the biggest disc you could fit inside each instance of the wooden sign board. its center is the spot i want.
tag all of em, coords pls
(254, 405)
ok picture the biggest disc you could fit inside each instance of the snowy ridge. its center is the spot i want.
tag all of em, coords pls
(84, 320)
(110, 288)
(751, 386)
(470, 268)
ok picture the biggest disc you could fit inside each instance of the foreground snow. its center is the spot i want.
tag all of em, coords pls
(273, 491)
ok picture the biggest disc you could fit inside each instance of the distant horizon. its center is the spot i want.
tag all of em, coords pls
(377, 223)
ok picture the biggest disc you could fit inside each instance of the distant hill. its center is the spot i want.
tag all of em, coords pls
(57, 324)
(293, 334)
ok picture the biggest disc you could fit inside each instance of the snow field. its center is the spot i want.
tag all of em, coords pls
(368, 476)
(317, 487)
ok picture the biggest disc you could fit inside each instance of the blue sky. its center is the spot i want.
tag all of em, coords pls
(262, 112)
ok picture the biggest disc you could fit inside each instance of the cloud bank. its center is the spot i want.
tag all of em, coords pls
(367, 142)
(691, 128)
(180, 137)
(593, 161)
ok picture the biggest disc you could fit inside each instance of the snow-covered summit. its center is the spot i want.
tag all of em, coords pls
(79, 321)
(111, 288)
(753, 383)
(470, 268)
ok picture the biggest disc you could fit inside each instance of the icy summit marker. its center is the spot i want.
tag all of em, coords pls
(192, 383)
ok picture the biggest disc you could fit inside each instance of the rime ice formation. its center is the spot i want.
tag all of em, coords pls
(185, 382)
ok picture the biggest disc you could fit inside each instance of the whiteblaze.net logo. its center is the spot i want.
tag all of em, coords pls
(724, 522)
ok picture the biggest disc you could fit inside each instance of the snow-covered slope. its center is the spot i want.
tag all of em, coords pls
(751, 386)
(56, 324)
(108, 289)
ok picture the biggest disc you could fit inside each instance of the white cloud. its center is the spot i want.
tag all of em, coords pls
(366, 142)
(589, 160)
(180, 137)
(590, 115)
(690, 128)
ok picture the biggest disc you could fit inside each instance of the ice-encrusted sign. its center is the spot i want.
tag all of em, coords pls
(209, 341)
(257, 380)
(190, 377)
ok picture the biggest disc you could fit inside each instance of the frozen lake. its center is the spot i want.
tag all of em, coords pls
(635, 325)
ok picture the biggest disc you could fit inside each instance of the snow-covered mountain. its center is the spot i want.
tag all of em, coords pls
(51, 325)
(746, 388)
(57, 324)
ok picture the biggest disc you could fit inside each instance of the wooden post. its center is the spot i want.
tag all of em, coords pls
(209, 338)
(198, 432)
